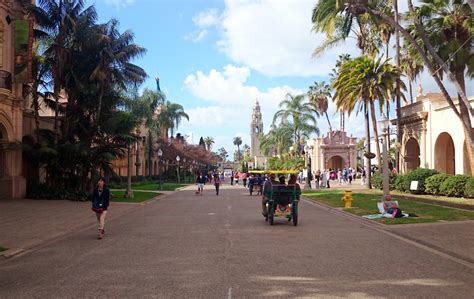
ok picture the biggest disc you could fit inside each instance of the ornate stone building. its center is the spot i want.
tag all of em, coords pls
(433, 136)
(256, 131)
(336, 150)
(13, 73)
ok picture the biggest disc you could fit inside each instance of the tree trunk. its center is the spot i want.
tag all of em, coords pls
(376, 135)
(367, 147)
(150, 152)
(398, 99)
(466, 120)
(410, 87)
(467, 129)
(421, 32)
(129, 192)
(329, 123)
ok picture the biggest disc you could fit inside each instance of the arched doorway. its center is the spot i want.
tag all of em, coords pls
(445, 156)
(3, 142)
(335, 163)
(412, 154)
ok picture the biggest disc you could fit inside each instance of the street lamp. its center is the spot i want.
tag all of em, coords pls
(160, 154)
(185, 170)
(306, 185)
(384, 123)
(177, 169)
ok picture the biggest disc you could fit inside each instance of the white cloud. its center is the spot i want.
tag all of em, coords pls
(119, 3)
(206, 19)
(196, 36)
(275, 38)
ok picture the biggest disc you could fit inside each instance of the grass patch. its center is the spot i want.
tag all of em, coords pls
(152, 186)
(366, 203)
(119, 196)
(2, 248)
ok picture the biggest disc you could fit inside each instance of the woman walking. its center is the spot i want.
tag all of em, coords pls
(100, 204)
(200, 181)
(217, 183)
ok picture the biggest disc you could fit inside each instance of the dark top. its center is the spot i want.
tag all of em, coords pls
(200, 180)
(100, 199)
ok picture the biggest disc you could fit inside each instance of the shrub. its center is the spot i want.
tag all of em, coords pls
(454, 185)
(377, 180)
(469, 188)
(419, 174)
(433, 183)
(400, 182)
(45, 192)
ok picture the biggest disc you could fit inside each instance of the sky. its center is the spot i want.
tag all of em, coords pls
(216, 58)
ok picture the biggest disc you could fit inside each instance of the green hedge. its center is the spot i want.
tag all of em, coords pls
(377, 180)
(454, 185)
(469, 188)
(433, 183)
(45, 192)
(402, 182)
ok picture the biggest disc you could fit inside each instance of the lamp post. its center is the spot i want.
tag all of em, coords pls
(160, 179)
(177, 169)
(306, 185)
(185, 170)
(384, 123)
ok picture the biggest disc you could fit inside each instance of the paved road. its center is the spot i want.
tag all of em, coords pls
(187, 246)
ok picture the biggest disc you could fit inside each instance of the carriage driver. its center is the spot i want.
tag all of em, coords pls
(267, 186)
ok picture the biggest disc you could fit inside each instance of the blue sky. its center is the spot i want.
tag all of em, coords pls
(217, 57)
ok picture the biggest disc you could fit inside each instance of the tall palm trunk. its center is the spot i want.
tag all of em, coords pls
(329, 123)
(467, 123)
(367, 147)
(150, 152)
(376, 134)
(398, 98)
(410, 88)
(129, 192)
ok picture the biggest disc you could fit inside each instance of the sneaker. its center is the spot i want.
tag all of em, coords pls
(101, 234)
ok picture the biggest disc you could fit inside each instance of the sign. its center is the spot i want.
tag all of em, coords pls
(414, 185)
(250, 164)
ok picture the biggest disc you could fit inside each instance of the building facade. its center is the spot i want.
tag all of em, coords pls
(12, 104)
(433, 136)
(334, 151)
(256, 131)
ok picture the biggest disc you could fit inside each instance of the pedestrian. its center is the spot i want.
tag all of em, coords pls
(244, 179)
(232, 178)
(237, 179)
(317, 176)
(364, 176)
(349, 175)
(217, 183)
(200, 181)
(328, 178)
(100, 204)
(310, 178)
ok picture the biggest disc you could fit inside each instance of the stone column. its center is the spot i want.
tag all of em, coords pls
(423, 144)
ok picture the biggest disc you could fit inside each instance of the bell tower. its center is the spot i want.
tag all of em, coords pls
(256, 130)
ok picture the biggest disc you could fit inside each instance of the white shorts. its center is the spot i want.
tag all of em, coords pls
(200, 186)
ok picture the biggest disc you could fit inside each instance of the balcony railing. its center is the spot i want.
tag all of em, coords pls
(5, 80)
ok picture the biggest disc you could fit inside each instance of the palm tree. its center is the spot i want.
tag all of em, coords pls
(209, 141)
(238, 143)
(114, 67)
(56, 22)
(319, 93)
(278, 139)
(360, 82)
(298, 113)
(170, 116)
(411, 64)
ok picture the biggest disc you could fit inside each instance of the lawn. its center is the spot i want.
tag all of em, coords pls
(2, 248)
(366, 203)
(151, 186)
(118, 196)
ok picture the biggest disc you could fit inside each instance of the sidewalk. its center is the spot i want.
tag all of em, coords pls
(26, 223)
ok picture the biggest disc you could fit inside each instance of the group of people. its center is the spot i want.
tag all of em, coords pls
(322, 178)
(271, 182)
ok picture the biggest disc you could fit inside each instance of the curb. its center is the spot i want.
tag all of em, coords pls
(11, 252)
(468, 262)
